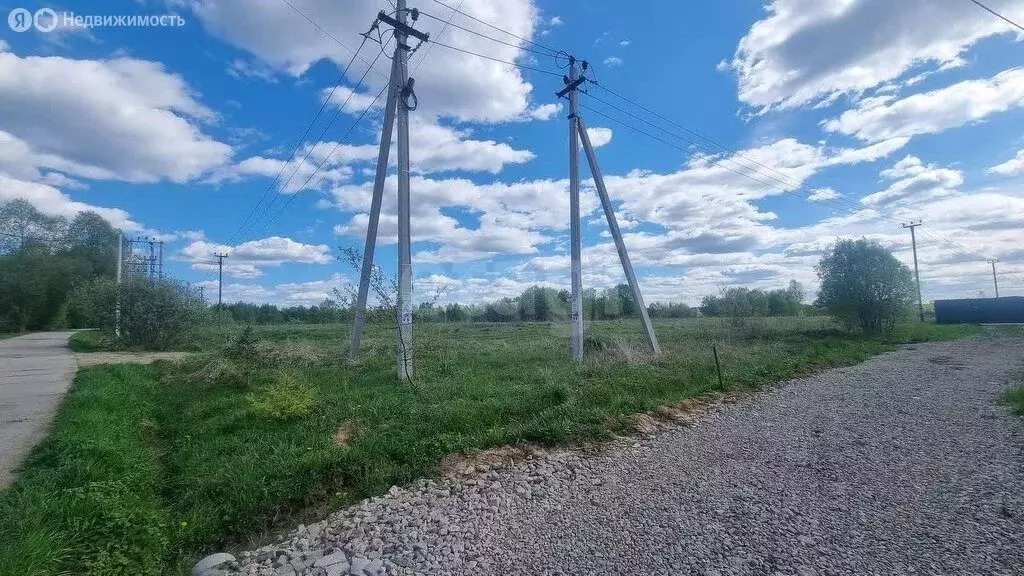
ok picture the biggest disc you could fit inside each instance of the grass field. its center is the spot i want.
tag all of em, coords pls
(149, 467)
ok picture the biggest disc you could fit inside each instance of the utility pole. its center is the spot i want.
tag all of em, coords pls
(575, 234)
(405, 344)
(917, 276)
(577, 133)
(401, 100)
(220, 279)
(995, 280)
(161, 243)
(117, 289)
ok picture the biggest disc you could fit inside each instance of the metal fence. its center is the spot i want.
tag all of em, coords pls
(978, 310)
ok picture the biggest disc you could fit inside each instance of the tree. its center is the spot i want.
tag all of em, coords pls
(864, 285)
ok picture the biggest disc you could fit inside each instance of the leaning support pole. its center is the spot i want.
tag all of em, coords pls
(576, 242)
(613, 225)
(378, 195)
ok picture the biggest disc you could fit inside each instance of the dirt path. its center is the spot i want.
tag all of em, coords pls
(88, 359)
(905, 464)
(35, 372)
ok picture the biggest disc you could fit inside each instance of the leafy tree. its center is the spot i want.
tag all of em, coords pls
(864, 285)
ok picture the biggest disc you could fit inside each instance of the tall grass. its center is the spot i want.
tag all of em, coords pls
(184, 453)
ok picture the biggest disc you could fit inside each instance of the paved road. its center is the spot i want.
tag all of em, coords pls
(906, 464)
(35, 372)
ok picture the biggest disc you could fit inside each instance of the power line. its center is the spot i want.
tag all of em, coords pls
(322, 162)
(499, 41)
(523, 66)
(489, 25)
(298, 144)
(717, 162)
(298, 166)
(325, 32)
(793, 182)
(998, 15)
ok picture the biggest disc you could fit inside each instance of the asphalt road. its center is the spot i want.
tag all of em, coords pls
(35, 372)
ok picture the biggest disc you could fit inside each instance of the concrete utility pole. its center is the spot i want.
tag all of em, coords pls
(401, 100)
(117, 290)
(995, 280)
(575, 233)
(917, 276)
(220, 279)
(577, 133)
(405, 345)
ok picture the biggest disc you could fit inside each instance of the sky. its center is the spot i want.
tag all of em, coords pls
(766, 132)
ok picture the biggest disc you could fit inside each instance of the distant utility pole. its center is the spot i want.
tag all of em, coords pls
(400, 100)
(117, 290)
(917, 276)
(578, 129)
(995, 280)
(220, 279)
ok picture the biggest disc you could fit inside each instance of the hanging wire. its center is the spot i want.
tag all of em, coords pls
(326, 158)
(298, 144)
(522, 66)
(489, 25)
(792, 182)
(546, 53)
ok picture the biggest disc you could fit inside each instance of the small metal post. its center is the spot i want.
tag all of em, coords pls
(718, 366)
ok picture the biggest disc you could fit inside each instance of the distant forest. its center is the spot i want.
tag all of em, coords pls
(540, 304)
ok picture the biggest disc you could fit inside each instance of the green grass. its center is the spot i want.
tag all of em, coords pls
(1014, 398)
(148, 468)
(88, 341)
(9, 335)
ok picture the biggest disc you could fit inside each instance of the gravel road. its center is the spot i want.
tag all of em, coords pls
(905, 464)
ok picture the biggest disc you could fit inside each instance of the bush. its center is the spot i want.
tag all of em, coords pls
(864, 285)
(286, 398)
(155, 314)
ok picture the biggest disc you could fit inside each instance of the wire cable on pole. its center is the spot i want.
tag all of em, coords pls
(489, 25)
(298, 144)
(792, 182)
(325, 32)
(546, 53)
(523, 66)
(998, 15)
(324, 161)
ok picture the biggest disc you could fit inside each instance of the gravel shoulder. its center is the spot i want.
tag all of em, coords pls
(905, 464)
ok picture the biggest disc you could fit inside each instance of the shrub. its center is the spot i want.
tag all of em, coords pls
(864, 285)
(286, 398)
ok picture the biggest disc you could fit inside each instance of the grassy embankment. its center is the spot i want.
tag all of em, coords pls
(148, 467)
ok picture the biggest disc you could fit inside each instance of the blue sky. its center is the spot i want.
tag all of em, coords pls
(845, 118)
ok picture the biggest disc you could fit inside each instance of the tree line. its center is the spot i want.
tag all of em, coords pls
(59, 273)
